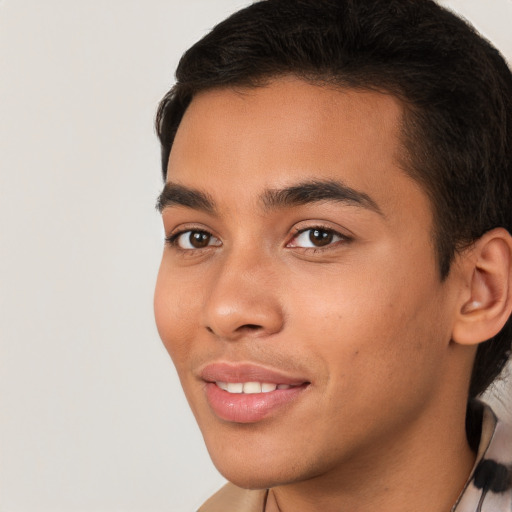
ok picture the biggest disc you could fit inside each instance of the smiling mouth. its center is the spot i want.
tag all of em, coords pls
(251, 388)
(249, 393)
(251, 401)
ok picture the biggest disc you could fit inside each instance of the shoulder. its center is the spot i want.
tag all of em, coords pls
(231, 498)
(489, 488)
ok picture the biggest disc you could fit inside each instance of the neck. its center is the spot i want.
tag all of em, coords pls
(422, 469)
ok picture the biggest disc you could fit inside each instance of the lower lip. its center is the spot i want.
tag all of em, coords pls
(249, 408)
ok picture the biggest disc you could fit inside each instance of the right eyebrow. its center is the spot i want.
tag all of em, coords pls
(179, 195)
(318, 191)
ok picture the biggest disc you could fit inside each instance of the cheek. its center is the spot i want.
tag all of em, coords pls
(175, 311)
(375, 319)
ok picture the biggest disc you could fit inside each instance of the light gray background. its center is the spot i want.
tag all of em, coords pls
(92, 417)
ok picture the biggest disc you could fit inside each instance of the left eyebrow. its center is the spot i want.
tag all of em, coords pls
(179, 195)
(317, 191)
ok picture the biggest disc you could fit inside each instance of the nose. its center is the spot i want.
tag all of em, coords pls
(243, 300)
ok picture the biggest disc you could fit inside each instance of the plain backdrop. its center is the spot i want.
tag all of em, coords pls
(92, 417)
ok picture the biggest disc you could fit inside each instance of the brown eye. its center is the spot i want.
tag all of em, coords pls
(199, 239)
(191, 239)
(320, 237)
(316, 238)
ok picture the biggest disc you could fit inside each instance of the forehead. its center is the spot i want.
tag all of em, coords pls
(237, 142)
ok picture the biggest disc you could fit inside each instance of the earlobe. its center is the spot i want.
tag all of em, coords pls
(486, 303)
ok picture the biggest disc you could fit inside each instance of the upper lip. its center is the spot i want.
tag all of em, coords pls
(247, 372)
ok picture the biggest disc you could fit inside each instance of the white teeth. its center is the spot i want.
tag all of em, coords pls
(235, 387)
(250, 387)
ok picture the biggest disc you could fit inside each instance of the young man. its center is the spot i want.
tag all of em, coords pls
(336, 286)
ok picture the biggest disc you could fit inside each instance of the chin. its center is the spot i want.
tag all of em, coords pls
(244, 470)
(258, 471)
(252, 478)
(250, 482)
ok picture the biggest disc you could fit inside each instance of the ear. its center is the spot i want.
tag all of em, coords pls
(486, 299)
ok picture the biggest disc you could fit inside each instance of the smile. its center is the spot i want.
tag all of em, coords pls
(249, 393)
(250, 388)
(250, 402)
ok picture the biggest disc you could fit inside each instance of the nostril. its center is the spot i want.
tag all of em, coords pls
(244, 328)
(250, 327)
(237, 332)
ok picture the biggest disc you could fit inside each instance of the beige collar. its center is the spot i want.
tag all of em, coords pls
(234, 499)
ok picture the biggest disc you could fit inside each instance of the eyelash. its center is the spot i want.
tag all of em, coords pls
(173, 239)
(343, 239)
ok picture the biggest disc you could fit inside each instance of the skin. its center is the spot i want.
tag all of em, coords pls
(365, 318)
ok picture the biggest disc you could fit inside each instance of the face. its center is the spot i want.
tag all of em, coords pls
(298, 294)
